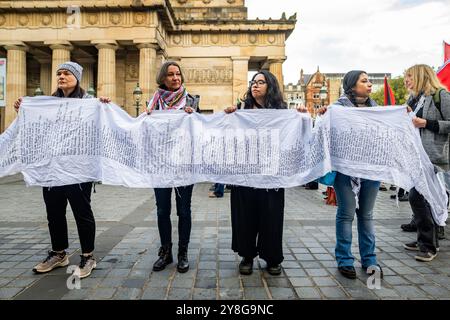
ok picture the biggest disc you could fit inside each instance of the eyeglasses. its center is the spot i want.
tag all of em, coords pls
(259, 83)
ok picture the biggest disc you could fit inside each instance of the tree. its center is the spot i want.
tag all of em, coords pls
(397, 87)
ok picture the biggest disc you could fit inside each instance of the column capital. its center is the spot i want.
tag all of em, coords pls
(242, 58)
(59, 44)
(142, 45)
(105, 44)
(279, 59)
(15, 45)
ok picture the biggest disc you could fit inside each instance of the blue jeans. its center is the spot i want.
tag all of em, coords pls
(344, 218)
(219, 189)
(183, 197)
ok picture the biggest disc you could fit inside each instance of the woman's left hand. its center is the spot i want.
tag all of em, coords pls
(302, 109)
(419, 122)
(104, 99)
(188, 109)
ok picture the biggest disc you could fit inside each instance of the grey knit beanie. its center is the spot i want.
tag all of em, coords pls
(73, 67)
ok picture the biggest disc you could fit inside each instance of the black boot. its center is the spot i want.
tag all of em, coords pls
(165, 257)
(183, 263)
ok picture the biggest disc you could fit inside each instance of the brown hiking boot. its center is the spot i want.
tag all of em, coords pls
(53, 260)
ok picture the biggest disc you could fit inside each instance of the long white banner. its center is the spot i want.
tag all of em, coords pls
(65, 141)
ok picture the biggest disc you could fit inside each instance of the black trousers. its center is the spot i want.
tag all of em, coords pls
(427, 236)
(79, 197)
(257, 223)
(183, 196)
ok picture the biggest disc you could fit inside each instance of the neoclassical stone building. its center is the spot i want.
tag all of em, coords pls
(123, 42)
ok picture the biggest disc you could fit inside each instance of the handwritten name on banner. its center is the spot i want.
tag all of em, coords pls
(65, 141)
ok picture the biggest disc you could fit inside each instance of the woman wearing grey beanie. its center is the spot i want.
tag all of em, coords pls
(78, 195)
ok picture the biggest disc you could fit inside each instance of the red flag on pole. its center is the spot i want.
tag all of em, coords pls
(443, 74)
(446, 52)
(389, 98)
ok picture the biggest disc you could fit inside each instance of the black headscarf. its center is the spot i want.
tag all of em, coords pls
(350, 80)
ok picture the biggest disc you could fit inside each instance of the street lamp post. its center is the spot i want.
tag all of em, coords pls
(137, 95)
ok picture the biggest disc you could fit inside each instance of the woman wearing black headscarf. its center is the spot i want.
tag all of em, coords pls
(355, 194)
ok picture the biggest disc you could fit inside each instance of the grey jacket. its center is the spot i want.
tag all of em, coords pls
(436, 145)
(345, 102)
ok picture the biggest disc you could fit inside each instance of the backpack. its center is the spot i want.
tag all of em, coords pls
(437, 101)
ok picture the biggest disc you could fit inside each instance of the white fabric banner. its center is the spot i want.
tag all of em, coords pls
(58, 141)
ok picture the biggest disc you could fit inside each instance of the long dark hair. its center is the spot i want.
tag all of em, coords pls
(78, 92)
(274, 98)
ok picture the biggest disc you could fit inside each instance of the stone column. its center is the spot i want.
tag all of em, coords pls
(276, 67)
(45, 82)
(106, 74)
(60, 54)
(87, 79)
(161, 57)
(147, 69)
(16, 78)
(240, 77)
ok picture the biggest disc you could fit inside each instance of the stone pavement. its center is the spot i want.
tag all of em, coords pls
(127, 244)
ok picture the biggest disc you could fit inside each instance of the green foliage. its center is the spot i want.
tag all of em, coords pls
(397, 86)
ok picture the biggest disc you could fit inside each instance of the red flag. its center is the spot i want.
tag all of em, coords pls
(446, 52)
(389, 99)
(443, 74)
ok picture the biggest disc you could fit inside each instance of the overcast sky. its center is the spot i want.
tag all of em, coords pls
(383, 36)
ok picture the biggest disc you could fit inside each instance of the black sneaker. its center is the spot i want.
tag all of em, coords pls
(274, 270)
(412, 246)
(409, 227)
(348, 272)
(393, 196)
(404, 197)
(246, 266)
(425, 256)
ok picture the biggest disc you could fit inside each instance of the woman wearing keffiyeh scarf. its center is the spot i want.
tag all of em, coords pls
(355, 195)
(171, 95)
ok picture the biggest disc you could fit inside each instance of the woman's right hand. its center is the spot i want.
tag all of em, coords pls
(230, 109)
(17, 104)
(322, 110)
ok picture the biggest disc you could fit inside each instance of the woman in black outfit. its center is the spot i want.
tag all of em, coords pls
(257, 214)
